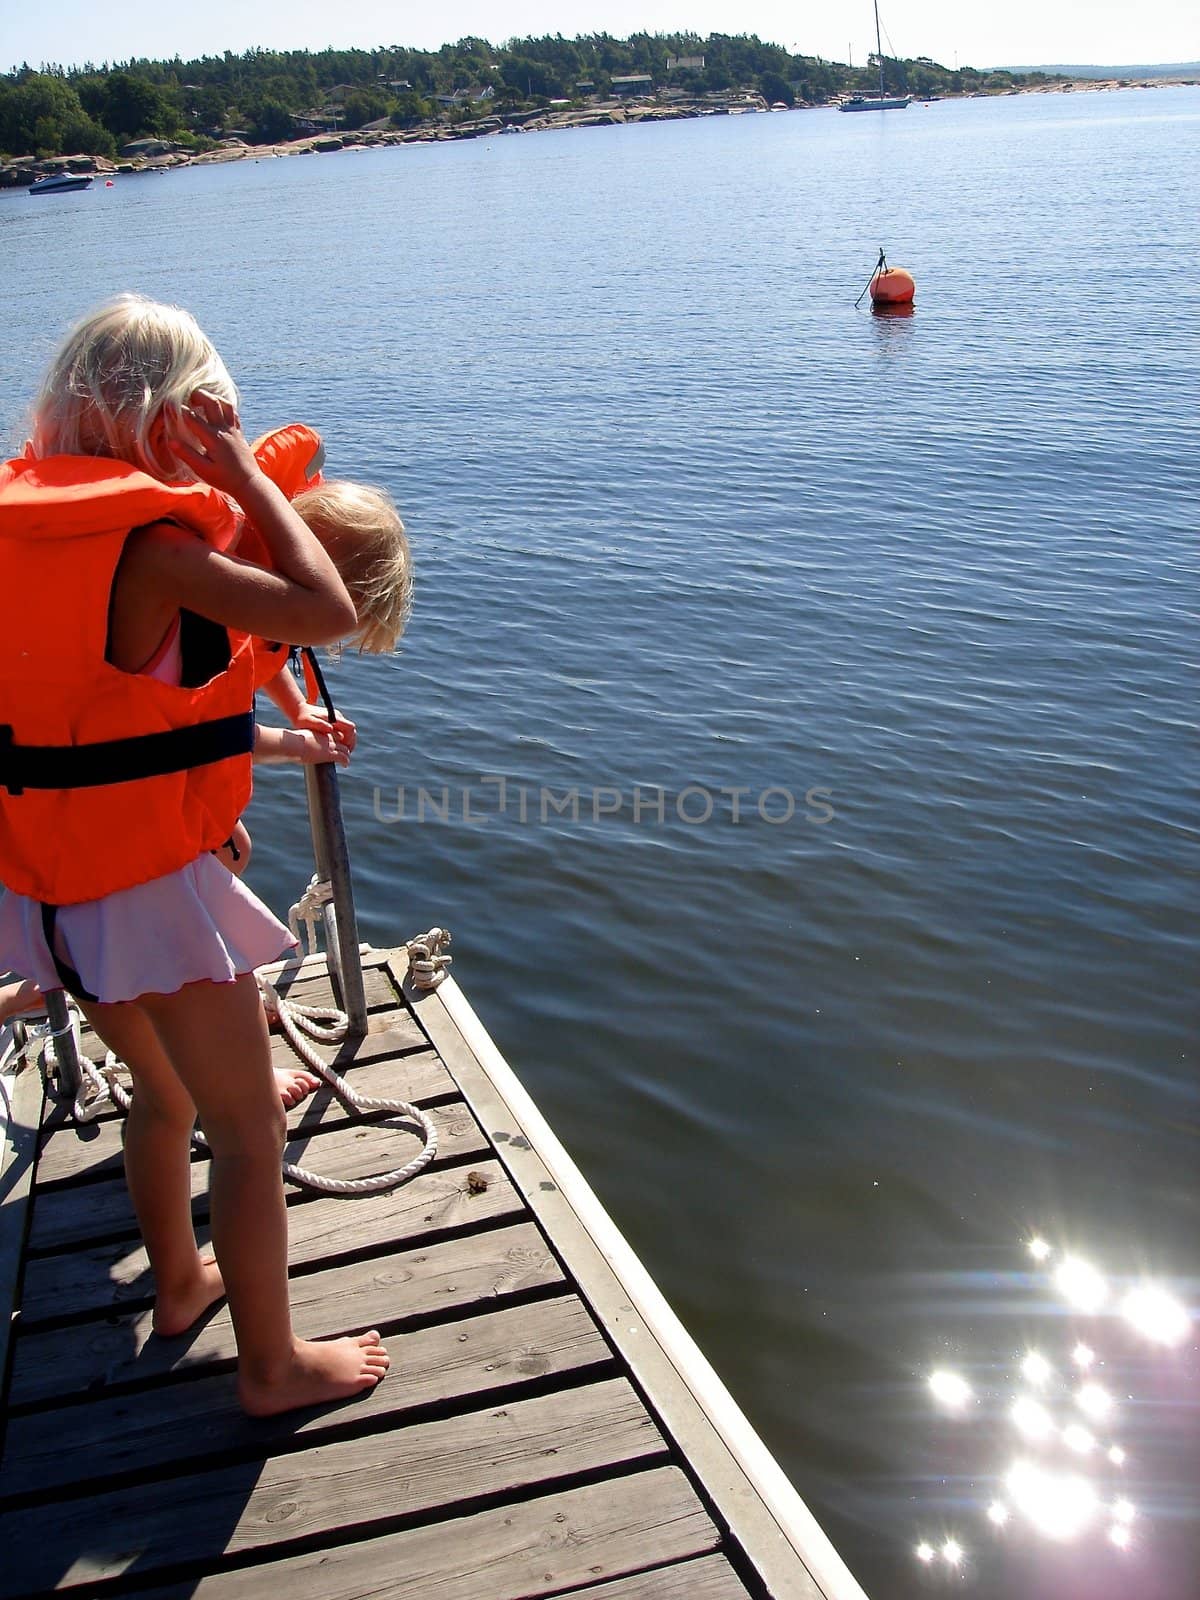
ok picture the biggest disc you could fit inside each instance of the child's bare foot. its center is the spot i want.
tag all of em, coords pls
(175, 1309)
(17, 998)
(319, 1371)
(294, 1084)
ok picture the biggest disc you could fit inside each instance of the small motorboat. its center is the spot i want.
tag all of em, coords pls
(60, 182)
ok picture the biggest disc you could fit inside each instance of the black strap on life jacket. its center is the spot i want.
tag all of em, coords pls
(68, 977)
(301, 656)
(310, 655)
(144, 755)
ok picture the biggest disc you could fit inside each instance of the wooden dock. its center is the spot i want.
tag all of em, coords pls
(547, 1427)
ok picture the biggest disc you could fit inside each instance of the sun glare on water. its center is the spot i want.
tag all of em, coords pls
(1063, 1487)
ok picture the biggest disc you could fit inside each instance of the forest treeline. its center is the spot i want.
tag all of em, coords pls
(259, 95)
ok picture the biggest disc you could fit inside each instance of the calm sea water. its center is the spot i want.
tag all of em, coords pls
(687, 522)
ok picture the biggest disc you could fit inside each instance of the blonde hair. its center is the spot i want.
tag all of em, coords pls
(364, 537)
(116, 372)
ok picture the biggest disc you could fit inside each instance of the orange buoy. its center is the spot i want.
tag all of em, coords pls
(893, 287)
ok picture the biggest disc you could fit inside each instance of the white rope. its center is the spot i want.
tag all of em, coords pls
(308, 910)
(101, 1081)
(428, 963)
(99, 1085)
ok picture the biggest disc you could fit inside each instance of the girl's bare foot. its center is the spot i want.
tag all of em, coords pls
(319, 1371)
(294, 1084)
(176, 1308)
(17, 998)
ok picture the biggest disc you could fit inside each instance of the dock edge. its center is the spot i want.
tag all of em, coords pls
(777, 1532)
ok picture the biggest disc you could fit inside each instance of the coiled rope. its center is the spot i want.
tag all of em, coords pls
(428, 962)
(307, 910)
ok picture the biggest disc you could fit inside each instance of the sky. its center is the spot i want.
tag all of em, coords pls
(1018, 33)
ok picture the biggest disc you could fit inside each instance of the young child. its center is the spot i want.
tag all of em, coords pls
(361, 531)
(117, 782)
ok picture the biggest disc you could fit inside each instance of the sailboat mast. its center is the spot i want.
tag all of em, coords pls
(878, 50)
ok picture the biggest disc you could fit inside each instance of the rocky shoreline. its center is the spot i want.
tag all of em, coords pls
(160, 155)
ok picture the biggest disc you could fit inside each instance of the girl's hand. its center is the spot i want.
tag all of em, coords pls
(297, 745)
(206, 437)
(315, 719)
(313, 749)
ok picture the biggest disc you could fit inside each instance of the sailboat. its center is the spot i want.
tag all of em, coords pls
(878, 102)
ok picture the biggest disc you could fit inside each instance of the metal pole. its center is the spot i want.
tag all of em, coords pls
(332, 859)
(879, 49)
(70, 1073)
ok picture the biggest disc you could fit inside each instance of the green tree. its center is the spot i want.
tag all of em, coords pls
(34, 112)
(210, 106)
(364, 105)
(134, 108)
(410, 109)
(773, 86)
(82, 136)
(531, 77)
(271, 122)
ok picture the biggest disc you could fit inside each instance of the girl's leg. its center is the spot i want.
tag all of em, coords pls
(215, 1036)
(293, 1083)
(157, 1168)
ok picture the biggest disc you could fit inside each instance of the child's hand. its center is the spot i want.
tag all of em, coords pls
(206, 436)
(316, 720)
(313, 748)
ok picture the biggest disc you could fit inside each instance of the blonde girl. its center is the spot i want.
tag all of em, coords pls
(169, 962)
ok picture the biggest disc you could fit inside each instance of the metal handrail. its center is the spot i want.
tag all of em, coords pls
(332, 857)
(66, 1055)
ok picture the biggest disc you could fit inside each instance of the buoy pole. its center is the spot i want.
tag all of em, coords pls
(880, 266)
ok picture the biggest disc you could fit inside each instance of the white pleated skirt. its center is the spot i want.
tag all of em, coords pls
(200, 923)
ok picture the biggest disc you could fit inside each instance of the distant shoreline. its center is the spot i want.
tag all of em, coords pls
(149, 155)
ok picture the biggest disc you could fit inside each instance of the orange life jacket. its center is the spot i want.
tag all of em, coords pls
(292, 457)
(107, 778)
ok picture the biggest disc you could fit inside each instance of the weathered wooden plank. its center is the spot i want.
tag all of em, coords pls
(20, 1113)
(386, 1291)
(389, 1033)
(541, 1546)
(93, 1152)
(449, 1364)
(94, 1281)
(710, 1578)
(238, 1510)
(368, 957)
(317, 989)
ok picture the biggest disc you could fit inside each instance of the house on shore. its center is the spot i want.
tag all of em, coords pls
(634, 83)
